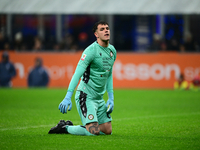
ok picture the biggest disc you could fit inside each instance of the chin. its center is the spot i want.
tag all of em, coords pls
(107, 39)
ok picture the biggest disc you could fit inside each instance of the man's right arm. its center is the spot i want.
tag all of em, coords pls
(63, 106)
(86, 58)
(76, 77)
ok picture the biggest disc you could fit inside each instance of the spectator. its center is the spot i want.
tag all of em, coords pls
(173, 45)
(4, 43)
(190, 45)
(68, 43)
(156, 45)
(1, 41)
(163, 47)
(182, 48)
(51, 44)
(56, 47)
(195, 85)
(7, 46)
(7, 71)
(83, 41)
(181, 83)
(74, 48)
(38, 77)
(18, 43)
(37, 44)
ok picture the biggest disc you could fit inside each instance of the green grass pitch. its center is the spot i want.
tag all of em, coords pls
(142, 120)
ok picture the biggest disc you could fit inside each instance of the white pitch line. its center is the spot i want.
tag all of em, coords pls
(121, 119)
(27, 127)
(30, 127)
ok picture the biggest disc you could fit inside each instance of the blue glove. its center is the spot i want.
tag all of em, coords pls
(110, 102)
(66, 103)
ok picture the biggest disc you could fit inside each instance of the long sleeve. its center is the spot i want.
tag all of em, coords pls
(76, 77)
(109, 85)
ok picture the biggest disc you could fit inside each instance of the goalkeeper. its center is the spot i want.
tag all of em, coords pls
(95, 70)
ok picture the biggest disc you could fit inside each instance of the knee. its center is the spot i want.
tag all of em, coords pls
(106, 128)
(108, 131)
(93, 128)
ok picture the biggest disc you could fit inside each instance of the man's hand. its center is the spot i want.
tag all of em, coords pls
(110, 103)
(63, 106)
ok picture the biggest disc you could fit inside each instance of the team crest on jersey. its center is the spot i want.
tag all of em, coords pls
(90, 117)
(83, 57)
(111, 54)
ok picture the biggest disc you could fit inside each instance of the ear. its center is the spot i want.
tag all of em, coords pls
(95, 33)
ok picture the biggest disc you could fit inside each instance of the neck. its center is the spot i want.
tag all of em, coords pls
(103, 43)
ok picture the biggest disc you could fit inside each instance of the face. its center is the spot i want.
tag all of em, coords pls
(103, 32)
(38, 63)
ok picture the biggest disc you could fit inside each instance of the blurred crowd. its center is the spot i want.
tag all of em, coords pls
(70, 43)
(36, 43)
(188, 45)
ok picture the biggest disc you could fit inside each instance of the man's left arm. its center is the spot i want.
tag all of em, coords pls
(109, 88)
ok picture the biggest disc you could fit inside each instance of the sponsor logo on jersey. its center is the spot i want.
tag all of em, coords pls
(83, 57)
(90, 117)
(111, 54)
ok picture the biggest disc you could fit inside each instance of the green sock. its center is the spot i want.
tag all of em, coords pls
(101, 133)
(78, 130)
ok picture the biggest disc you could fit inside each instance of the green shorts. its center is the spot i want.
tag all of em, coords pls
(91, 110)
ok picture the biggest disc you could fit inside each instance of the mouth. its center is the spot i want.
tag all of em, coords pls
(106, 35)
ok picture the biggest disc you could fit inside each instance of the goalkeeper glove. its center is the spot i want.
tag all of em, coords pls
(63, 106)
(110, 102)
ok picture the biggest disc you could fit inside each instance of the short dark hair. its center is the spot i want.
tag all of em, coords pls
(98, 23)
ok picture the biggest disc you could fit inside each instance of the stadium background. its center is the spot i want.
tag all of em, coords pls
(44, 28)
(143, 119)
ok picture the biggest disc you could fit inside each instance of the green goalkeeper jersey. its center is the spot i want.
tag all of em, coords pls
(98, 63)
